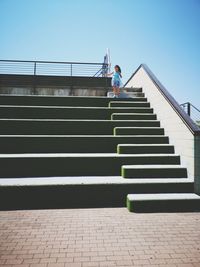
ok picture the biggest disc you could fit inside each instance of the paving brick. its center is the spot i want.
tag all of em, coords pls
(107, 264)
(41, 255)
(38, 265)
(13, 261)
(48, 260)
(81, 259)
(141, 262)
(2, 262)
(75, 254)
(56, 265)
(29, 261)
(98, 258)
(124, 263)
(90, 264)
(75, 264)
(98, 237)
(65, 260)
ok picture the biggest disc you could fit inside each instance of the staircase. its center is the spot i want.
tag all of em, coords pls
(69, 152)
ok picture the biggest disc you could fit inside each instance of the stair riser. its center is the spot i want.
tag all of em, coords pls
(154, 173)
(125, 131)
(88, 195)
(133, 117)
(74, 166)
(13, 127)
(131, 89)
(164, 206)
(64, 144)
(134, 94)
(62, 101)
(66, 113)
(145, 149)
(135, 104)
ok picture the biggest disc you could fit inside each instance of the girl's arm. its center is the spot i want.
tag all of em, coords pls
(109, 74)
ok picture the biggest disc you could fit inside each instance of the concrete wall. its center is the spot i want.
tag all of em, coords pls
(65, 91)
(197, 164)
(185, 142)
(54, 85)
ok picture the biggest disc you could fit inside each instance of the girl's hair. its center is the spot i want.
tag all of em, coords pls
(119, 69)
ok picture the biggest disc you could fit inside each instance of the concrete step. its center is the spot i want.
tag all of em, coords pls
(64, 164)
(138, 131)
(69, 127)
(66, 143)
(133, 116)
(128, 104)
(34, 100)
(154, 171)
(176, 202)
(145, 148)
(99, 191)
(132, 89)
(125, 94)
(52, 112)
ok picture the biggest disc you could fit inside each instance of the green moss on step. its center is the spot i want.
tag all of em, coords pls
(129, 205)
(122, 172)
(118, 149)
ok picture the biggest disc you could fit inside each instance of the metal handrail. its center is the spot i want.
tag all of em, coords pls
(192, 111)
(53, 68)
(170, 99)
(190, 105)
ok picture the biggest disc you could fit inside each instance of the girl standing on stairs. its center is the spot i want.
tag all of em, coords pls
(116, 80)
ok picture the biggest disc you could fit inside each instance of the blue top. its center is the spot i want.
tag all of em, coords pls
(116, 76)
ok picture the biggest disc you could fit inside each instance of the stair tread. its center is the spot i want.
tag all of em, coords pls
(79, 180)
(72, 107)
(133, 127)
(84, 136)
(163, 196)
(57, 96)
(36, 119)
(124, 102)
(125, 114)
(156, 166)
(148, 145)
(85, 155)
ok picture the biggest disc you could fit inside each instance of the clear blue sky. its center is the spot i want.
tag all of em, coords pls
(164, 34)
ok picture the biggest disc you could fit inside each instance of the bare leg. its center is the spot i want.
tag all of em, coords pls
(118, 91)
(114, 90)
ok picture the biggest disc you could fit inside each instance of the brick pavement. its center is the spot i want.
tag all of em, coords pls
(98, 237)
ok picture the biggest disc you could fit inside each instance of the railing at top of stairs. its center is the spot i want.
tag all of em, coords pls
(192, 111)
(51, 68)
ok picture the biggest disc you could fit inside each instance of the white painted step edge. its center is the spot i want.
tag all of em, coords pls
(164, 196)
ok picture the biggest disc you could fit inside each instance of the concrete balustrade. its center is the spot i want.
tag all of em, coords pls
(183, 134)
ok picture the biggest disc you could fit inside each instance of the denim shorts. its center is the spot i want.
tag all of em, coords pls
(115, 83)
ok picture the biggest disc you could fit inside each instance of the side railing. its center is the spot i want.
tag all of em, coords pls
(192, 111)
(49, 68)
(21, 76)
(183, 132)
(165, 93)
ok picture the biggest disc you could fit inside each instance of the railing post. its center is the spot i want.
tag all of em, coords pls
(71, 69)
(34, 78)
(34, 68)
(189, 109)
